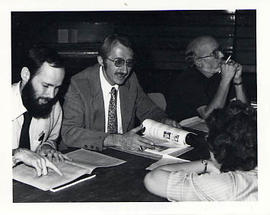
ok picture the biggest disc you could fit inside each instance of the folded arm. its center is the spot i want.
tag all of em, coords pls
(156, 181)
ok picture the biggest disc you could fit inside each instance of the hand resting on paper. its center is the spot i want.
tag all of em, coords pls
(53, 155)
(30, 158)
(130, 140)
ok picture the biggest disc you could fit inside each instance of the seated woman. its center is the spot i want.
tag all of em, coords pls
(231, 171)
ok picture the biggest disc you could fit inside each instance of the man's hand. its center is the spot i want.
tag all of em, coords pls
(130, 140)
(228, 70)
(238, 74)
(54, 156)
(35, 160)
(171, 122)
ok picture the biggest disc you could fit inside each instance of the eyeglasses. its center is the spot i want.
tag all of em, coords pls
(215, 54)
(119, 62)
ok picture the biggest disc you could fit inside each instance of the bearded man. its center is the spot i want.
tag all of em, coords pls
(37, 114)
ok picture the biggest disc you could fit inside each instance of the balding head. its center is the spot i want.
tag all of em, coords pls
(201, 45)
(199, 54)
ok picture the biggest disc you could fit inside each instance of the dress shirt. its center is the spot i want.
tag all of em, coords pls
(41, 131)
(106, 90)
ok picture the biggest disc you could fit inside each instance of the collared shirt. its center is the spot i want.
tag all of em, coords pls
(227, 186)
(41, 131)
(106, 90)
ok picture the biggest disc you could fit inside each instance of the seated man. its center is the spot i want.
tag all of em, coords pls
(208, 83)
(37, 114)
(102, 102)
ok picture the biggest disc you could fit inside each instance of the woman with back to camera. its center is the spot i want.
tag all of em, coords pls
(230, 173)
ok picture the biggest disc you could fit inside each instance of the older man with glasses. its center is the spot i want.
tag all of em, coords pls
(210, 81)
(102, 102)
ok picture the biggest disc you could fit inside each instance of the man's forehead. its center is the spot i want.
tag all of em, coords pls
(205, 46)
(48, 68)
(119, 49)
(48, 73)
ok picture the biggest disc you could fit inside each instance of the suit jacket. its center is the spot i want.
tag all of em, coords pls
(84, 115)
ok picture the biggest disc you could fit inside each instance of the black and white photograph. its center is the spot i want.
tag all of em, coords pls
(98, 95)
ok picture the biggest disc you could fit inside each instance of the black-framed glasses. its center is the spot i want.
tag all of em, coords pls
(119, 62)
(216, 54)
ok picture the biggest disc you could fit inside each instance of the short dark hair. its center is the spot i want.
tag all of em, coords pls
(110, 41)
(233, 136)
(37, 55)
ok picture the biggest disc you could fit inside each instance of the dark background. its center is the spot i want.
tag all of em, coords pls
(160, 39)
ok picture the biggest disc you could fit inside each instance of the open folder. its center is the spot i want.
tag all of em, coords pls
(75, 171)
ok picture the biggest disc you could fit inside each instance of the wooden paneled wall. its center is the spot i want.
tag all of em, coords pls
(160, 38)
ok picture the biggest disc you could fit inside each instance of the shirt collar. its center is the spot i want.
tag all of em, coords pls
(17, 105)
(105, 85)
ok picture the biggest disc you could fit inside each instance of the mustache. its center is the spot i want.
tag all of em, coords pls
(48, 100)
(121, 73)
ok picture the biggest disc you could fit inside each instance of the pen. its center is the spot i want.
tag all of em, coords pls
(40, 139)
(75, 181)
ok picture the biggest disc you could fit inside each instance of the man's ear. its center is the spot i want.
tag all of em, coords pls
(198, 63)
(25, 75)
(100, 60)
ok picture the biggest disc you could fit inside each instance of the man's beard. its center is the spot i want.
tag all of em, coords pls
(30, 102)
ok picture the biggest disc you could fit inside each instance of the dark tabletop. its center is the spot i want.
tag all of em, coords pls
(123, 183)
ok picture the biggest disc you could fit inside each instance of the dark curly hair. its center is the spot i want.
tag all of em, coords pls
(233, 136)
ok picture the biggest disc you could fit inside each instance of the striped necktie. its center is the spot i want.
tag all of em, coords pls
(112, 114)
(24, 137)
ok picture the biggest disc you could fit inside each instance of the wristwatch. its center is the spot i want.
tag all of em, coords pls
(205, 163)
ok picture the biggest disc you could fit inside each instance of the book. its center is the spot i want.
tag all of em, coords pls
(75, 171)
(167, 139)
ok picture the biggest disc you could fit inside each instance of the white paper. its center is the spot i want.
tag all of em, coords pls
(166, 159)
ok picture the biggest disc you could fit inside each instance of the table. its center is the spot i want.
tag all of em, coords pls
(123, 183)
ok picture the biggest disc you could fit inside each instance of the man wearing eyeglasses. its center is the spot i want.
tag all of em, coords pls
(210, 81)
(102, 102)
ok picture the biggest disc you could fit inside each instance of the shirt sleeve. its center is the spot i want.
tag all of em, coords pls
(184, 186)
